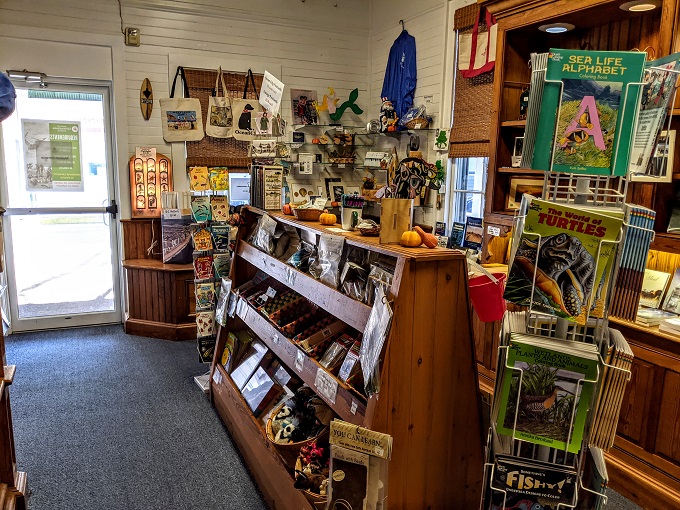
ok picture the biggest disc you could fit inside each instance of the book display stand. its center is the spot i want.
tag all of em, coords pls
(595, 194)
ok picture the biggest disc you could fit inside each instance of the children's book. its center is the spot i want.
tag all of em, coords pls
(546, 390)
(198, 178)
(560, 260)
(205, 296)
(219, 178)
(219, 206)
(588, 111)
(474, 233)
(456, 237)
(653, 287)
(672, 301)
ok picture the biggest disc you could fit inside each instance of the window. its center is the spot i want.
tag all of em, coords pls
(466, 188)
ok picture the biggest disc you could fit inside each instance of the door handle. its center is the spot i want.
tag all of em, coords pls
(112, 208)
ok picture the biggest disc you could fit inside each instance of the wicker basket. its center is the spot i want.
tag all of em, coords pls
(342, 161)
(417, 123)
(370, 232)
(307, 214)
(289, 452)
(316, 500)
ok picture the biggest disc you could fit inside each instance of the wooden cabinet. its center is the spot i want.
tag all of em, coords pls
(160, 297)
(428, 399)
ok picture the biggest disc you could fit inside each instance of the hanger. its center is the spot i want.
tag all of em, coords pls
(402, 24)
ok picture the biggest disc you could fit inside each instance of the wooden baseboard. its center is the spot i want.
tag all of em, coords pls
(162, 330)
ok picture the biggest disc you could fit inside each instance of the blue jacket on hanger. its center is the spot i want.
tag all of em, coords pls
(399, 85)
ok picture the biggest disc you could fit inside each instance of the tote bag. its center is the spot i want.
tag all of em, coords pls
(181, 117)
(246, 112)
(220, 118)
(477, 51)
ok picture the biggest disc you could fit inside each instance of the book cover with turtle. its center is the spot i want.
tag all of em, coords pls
(546, 389)
(588, 111)
(562, 259)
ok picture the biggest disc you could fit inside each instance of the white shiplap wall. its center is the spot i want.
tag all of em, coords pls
(315, 43)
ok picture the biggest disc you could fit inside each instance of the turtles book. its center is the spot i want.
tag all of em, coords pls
(540, 483)
(588, 111)
(546, 389)
(562, 259)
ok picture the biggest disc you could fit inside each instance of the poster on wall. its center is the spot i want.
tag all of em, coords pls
(52, 155)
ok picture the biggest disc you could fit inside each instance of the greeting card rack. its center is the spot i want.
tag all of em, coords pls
(428, 400)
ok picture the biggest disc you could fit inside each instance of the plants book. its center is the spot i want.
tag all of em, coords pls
(546, 389)
(560, 258)
(588, 111)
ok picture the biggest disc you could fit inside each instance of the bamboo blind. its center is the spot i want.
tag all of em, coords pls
(472, 100)
(218, 151)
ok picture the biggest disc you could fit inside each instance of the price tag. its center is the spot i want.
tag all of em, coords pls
(353, 407)
(493, 231)
(341, 165)
(300, 361)
(271, 292)
(379, 451)
(275, 339)
(217, 377)
(242, 308)
(326, 384)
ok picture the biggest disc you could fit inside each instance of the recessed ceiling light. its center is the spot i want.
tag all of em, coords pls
(556, 28)
(640, 5)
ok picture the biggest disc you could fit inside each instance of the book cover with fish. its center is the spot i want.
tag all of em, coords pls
(588, 111)
(561, 259)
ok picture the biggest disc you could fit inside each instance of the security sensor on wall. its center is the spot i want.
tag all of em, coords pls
(132, 36)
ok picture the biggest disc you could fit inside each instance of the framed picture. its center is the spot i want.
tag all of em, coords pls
(329, 181)
(519, 186)
(337, 190)
(353, 190)
(300, 192)
(517, 151)
(660, 167)
(303, 104)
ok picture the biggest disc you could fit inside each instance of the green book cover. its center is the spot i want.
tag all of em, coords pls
(548, 396)
(562, 246)
(596, 116)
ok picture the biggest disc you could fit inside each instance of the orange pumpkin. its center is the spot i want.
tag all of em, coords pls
(411, 239)
(428, 239)
(287, 209)
(327, 218)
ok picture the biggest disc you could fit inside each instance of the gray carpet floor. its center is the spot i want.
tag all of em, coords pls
(109, 421)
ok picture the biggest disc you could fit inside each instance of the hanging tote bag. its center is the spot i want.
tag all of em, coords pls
(477, 51)
(246, 112)
(181, 117)
(220, 118)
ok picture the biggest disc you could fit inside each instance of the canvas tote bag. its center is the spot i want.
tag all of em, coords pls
(245, 112)
(181, 117)
(220, 118)
(477, 51)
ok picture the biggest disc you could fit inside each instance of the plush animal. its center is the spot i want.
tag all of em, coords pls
(285, 435)
(244, 121)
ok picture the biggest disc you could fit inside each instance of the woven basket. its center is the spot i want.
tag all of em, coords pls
(316, 500)
(307, 214)
(418, 123)
(342, 161)
(370, 232)
(289, 452)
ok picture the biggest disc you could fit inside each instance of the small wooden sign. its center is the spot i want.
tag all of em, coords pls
(146, 99)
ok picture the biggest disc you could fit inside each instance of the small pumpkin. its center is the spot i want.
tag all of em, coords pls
(411, 239)
(327, 218)
(428, 239)
(287, 209)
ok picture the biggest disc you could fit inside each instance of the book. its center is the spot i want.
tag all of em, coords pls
(176, 236)
(456, 237)
(670, 326)
(672, 301)
(652, 316)
(653, 287)
(560, 258)
(539, 62)
(348, 480)
(249, 363)
(259, 391)
(546, 389)
(536, 484)
(588, 111)
(474, 233)
(595, 479)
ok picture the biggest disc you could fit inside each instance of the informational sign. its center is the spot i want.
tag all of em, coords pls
(145, 152)
(273, 180)
(52, 158)
(271, 92)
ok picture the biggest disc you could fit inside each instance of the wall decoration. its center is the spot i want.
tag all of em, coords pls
(263, 123)
(329, 181)
(300, 192)
(329, 103)
(337, 191)
(441, 143)
(146, 99)
(263, 148)
(519, 186)
(149, 177)
(304, 106)
(388, 117)
(306, 161)
(350, 103)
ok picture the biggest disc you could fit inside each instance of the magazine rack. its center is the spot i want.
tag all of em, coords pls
(595, 191)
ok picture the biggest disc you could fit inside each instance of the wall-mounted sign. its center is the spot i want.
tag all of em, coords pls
(149, 177)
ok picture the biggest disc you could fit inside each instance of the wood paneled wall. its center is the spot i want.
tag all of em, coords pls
(138, 236)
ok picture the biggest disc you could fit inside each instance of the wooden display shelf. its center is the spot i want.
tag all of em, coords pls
(428, 400)
(156, 265)
(348, 405)
(263, 460)
(514, 123)
(348, 310)
(512, 170)
(666, 242)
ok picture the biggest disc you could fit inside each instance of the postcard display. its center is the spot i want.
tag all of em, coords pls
(562, 371)
(212, 237)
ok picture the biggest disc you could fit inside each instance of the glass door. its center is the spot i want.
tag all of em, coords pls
(60, 233)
